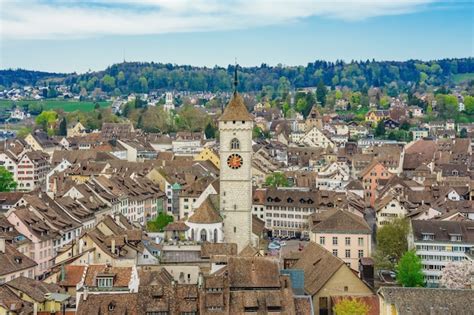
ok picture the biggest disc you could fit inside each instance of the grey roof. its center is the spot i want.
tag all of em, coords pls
(411, 301)
(442, 230)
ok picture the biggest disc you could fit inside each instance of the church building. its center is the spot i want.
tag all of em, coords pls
(235, 128)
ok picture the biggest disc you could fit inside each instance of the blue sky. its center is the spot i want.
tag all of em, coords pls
(72, 35)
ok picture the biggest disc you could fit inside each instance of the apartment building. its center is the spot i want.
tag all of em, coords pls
(439, 242)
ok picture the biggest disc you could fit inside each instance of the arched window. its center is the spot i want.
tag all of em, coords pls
(215, 235)
(234, 144)
(203, 235)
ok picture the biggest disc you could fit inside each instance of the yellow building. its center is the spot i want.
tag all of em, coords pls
(77, 130)
(45, 297)
(208, 154)
(326, 277)
(375, 116)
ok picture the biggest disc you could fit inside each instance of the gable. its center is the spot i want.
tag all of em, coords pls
(344, 277)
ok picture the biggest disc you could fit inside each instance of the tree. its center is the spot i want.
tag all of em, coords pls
(283, 87)
(108, 83)
(351, 306)
(159, 223)
(380, 129)
(457, 275)
(277, 179)
(463, 133)
(46, 119)
(391, 243)
(7, 183)
(409, 270)
(23, 132)
(469, 104)
(63, 127)
(405, 125)
(321, 92)
(210, 131)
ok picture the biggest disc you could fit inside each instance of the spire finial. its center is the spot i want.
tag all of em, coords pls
(235, 77)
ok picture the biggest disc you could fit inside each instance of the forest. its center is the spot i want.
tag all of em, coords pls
(139, 77)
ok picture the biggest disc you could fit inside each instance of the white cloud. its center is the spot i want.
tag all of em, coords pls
(36, 19)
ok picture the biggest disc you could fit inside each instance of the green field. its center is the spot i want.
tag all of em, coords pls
(463, 77)
(67, 106)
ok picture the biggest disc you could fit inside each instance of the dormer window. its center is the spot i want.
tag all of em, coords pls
(235, 144)
(111, 306)
(456, 238)
(428, 236)
(455, 173)
(105, 282)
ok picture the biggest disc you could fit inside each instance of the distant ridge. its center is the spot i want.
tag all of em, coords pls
(141, 77)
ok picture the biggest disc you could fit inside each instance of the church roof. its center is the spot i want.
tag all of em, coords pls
(205, 214)
(236, 110)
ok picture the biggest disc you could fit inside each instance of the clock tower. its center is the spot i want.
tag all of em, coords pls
(235, 132)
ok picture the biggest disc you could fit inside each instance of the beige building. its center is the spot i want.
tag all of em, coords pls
(342, 233)
(235, 129)
(325, 277)
(387, 209)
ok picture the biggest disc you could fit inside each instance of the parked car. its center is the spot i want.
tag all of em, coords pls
(274, 245)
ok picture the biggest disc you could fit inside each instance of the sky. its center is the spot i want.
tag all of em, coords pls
(78, 36)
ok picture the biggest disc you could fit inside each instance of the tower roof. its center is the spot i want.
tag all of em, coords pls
(236, 110)
(205, 214)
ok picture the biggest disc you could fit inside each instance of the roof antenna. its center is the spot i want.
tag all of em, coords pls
(235, 77)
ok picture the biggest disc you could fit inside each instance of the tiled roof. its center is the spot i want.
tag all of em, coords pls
(442, 230)
(343, 222)
(34, 288)
(253, 272)
(122, 275)
(205, 214)
(11, 302)
(428, 300)
(13, 261)
(120, 303)
(319, 266)
(208, 249)
(72, 275)
(236, 110)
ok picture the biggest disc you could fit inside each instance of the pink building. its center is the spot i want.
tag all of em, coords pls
(39, 233)
(371, 177)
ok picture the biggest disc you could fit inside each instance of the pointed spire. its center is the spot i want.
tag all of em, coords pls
(236, 80)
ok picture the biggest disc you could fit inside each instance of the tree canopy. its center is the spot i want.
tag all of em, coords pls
(409, 270)
(277, 179)
(350, 306)
(7, 183)
(391, 243)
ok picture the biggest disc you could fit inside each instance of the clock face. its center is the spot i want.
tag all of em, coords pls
(234, 161)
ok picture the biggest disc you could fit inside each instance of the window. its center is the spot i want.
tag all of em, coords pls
(203, 235)
(348, 241)
(105, 282)
(111, 306)
(361, 253)
(322, 240)
(361, 241)
(346, 289)
(348, 253)
(235, 144)
(334, 252)
(334, 240)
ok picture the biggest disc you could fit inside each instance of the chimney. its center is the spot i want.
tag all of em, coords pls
(2, 245)
(85, 294)
(112, 245)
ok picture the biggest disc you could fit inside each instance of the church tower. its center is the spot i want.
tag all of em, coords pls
(235, 131)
